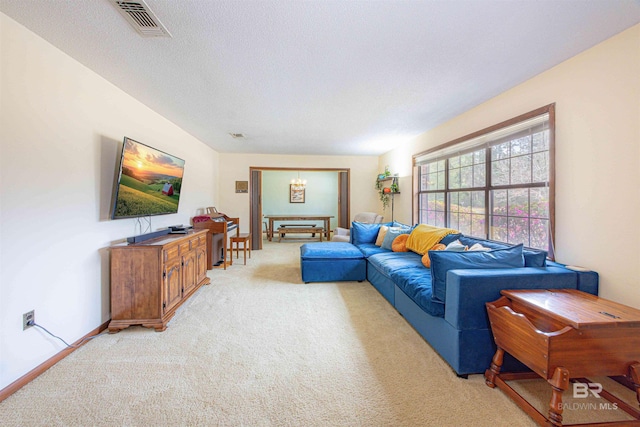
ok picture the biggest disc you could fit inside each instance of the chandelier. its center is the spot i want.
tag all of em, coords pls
(297, 183)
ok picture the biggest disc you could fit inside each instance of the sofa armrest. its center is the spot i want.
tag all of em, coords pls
(469, 290)
(339, 231)
(587, 279)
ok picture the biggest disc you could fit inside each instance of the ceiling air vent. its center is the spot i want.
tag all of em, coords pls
(237, 135)
(141, 18)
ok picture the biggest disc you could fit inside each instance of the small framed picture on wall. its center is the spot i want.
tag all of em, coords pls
(242, 186)
(296, 195)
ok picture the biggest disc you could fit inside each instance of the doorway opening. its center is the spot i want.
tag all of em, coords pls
(330, 192)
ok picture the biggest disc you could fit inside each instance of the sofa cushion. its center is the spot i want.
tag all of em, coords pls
(443, 261)
(532, 257)
(388, 262)
(369, 249)
(332, 262)
(391, 235)
(330, 250)
(416, 284)
(364, 233)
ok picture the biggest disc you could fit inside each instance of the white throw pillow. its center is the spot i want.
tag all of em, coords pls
(478, 247)
(381, 233)
(456, 246)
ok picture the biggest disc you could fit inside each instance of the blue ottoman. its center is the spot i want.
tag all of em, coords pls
(332, 262)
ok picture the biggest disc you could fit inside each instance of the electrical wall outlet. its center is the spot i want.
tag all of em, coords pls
(28, 319)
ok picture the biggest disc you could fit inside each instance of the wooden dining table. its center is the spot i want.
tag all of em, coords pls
(300, 217)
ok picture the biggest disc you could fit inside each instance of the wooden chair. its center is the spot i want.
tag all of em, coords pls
(245, 239)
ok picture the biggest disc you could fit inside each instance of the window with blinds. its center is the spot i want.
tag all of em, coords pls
(495, 184)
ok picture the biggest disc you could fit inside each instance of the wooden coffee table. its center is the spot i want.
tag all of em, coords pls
(561, 335)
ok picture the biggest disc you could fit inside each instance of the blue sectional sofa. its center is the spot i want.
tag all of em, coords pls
(446, 303)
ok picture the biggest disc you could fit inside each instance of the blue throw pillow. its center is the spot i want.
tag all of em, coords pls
(395, 223)
(532, 257)
(364, 233)
(392, 233)
(470, 241)
(535, 258)
(450, 238)
(443, 261)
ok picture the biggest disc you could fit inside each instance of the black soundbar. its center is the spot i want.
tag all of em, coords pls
(143, 237)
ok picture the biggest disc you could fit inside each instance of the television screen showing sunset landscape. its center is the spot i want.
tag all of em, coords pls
(149, 182)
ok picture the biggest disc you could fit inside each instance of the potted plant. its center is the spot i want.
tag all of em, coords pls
(383, 192)
(384, 197)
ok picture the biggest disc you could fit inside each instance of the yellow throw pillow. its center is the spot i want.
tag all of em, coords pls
(400, 243)
(423, 237)
(381, 233)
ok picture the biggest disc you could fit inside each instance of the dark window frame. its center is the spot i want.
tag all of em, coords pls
(488, 187)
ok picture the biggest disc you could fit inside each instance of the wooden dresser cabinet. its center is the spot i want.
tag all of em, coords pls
(149, 280)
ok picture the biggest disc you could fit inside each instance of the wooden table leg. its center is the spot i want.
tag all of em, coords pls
(496, 364)
(559, 383)
(244, 251)
(270, 231)
(225, 249)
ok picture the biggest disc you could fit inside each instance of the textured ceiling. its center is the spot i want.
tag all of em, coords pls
(322, 77)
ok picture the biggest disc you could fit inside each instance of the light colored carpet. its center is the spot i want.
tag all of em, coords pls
(258, 347)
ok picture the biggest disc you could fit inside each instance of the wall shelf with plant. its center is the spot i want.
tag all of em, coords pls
(387, 186)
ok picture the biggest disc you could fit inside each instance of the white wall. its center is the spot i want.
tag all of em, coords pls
(235, 167)
(61, 128)
(397, 203)
(597, 96)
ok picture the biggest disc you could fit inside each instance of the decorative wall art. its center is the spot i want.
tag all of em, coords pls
(296, 195)
(242, 186)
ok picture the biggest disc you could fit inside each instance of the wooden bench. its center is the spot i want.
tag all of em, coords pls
(299, 230)
(296, 226)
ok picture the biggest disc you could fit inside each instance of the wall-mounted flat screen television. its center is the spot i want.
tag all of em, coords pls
(149, 182)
